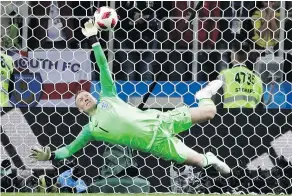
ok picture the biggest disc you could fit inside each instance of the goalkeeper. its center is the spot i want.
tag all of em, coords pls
(114, 121)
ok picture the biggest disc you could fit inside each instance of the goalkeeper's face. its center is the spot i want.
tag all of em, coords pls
(85, 102)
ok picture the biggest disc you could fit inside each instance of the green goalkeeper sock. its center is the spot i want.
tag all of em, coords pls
(206, 102)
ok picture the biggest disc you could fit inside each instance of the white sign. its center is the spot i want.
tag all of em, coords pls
(57, 66)
(62, 74)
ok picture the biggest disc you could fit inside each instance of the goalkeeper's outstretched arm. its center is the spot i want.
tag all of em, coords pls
(107, 84)
(80, 142)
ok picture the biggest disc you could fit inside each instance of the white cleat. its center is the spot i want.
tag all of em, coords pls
(220, 166)
(210, 90)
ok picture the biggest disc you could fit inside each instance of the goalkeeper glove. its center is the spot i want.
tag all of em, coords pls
(90, 31)
(40, 154)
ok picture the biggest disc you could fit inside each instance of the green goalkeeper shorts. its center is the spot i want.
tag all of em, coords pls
(166, 145)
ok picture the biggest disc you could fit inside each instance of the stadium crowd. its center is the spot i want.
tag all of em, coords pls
(166, 32)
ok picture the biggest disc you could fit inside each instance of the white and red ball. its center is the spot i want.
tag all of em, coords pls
(105, 18)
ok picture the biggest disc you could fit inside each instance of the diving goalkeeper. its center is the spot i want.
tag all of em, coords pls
(114, 121)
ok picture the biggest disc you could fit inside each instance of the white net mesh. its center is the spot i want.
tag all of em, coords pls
(160, 54)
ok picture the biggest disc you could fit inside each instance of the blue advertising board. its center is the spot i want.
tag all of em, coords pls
(277, 96)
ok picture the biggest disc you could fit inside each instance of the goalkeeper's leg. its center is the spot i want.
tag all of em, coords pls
(196, 159)
(181, 118)
(171, 148)
(189, 156)
(207, 109)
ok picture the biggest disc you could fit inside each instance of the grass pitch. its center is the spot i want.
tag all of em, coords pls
(107, 194)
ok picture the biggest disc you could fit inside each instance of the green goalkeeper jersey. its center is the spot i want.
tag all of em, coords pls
(114, 121)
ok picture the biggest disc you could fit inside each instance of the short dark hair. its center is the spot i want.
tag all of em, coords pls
(241, 50)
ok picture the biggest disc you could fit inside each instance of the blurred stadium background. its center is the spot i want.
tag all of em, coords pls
(159, 59)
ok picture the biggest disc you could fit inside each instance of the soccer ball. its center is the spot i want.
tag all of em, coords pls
(105, 18)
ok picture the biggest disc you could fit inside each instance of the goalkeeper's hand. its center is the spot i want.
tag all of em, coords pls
(40, 154)
(89, 29)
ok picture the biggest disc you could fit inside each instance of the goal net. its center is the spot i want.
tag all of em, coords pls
(160, 55)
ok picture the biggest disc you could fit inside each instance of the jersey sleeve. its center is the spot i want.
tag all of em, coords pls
(82, 139)
(261, 89)
(6, 66)
(108, 88)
